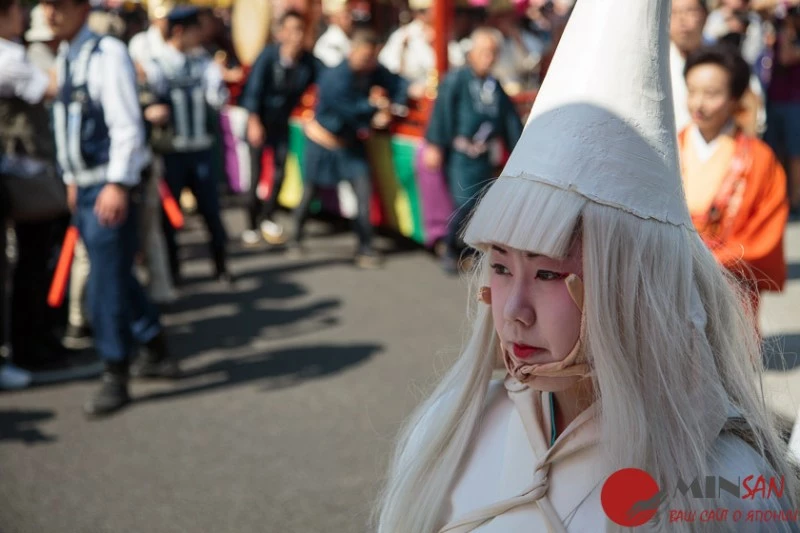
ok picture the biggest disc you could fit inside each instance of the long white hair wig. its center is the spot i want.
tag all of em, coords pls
(664, 388)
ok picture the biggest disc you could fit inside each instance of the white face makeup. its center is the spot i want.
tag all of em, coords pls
(534, 314)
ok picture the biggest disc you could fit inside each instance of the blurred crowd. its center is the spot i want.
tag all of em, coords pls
(111, 131)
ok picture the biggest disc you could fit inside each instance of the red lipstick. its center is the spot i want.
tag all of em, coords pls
(523, 351)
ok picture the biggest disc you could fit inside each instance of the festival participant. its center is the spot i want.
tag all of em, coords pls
(735, 186)
(279, 77)
(471, 110)
(335, 140)
(624, 345)
(100, 148)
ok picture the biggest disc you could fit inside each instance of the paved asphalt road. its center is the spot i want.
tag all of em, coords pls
(298, 379)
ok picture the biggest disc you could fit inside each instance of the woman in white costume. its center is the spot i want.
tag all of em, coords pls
(625, 345)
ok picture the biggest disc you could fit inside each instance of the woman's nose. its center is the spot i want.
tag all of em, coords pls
(519, 307)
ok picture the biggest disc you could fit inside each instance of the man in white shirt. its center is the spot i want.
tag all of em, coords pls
(18, 77)
(333, 46)
(145, 46)
(409, 51)
(100, 147)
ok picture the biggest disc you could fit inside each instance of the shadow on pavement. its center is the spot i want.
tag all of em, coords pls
(782, 352)
(254, 310)
(20, 425)
(271, 371)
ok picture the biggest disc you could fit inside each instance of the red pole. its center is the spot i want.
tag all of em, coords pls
(58, 286)
(442, 14)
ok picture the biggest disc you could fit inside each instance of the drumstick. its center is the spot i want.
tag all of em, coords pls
(170, 205)
(58, 287)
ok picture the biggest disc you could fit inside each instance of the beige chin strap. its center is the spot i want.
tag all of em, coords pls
(573, 365)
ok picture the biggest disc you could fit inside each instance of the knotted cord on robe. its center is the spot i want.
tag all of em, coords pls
(572, 441)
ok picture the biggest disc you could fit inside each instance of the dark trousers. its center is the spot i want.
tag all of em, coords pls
(325, 169)
(263, 210)
(33, 323)
(121, 314)
(363, 227)
(193, 170)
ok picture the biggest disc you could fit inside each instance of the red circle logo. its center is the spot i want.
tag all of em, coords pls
(631, 497)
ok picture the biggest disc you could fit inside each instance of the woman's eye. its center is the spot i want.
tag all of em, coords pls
(547, 275)
(499, 269)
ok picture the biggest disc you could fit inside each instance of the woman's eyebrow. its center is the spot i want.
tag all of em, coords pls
(503, 251)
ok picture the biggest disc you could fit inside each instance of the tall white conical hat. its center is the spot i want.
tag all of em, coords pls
(603, 124)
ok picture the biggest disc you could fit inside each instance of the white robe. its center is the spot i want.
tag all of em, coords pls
(501, 464)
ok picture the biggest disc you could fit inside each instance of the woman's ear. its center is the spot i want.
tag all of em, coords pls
(485, 295)
(575, 289)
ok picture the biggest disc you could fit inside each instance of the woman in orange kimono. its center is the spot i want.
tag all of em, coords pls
(735, 186)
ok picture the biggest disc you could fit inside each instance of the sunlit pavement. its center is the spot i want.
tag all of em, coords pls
(297, 381)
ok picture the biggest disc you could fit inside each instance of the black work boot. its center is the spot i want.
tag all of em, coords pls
(113, 392)
(155, 361)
